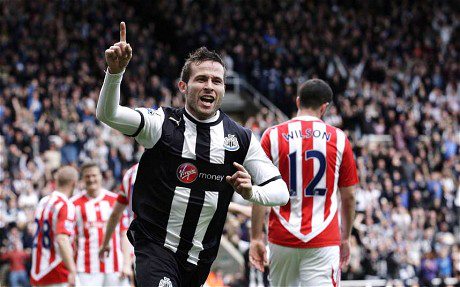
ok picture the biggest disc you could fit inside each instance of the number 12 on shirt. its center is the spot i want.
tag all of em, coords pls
(311, 189)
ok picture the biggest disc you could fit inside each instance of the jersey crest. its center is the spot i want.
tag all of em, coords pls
(165, 282)
(231, 143)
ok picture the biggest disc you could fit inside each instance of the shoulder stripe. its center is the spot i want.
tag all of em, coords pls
(141, 125)
(270, 180)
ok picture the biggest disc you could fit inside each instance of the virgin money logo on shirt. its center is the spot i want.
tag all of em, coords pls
(187, 173)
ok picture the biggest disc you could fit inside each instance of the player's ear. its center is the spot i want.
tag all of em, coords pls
(323, 108)
(297, 102)
(182, 87)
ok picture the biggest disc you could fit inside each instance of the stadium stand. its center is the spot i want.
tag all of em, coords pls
(393, 65)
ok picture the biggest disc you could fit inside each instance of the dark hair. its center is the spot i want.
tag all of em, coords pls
(313, 93)
(199, 56)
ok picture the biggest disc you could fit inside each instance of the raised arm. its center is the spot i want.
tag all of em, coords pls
(108, 109)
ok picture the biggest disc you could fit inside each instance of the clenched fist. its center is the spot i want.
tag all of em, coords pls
(118, 55)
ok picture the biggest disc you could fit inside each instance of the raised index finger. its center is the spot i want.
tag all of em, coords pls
(123, 32)
(239, 167)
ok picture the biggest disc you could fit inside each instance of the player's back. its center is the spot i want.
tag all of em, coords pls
(54, 215)
(314, 160)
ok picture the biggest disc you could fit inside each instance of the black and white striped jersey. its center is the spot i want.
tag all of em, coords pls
(180, 195)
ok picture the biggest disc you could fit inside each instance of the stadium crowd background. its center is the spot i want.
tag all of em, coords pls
(394, 67)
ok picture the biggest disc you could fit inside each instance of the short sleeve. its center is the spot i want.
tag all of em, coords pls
(265, 143)
(259, 165)
(150, 129)
(66, 219)
(122, 199)
(348, 175)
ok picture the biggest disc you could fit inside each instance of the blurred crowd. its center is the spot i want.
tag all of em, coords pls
(393, 66)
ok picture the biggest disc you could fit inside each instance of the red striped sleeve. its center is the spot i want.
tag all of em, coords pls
(348, 175)
(265, 143)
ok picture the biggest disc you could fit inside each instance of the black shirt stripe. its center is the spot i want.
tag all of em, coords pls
(191, 218)
(203, 142)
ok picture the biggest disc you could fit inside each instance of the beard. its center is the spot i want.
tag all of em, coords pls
(192, 103)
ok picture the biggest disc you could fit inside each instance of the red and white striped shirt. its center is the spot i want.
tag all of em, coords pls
(54, 215)
(314, 159)
(126, 189)
(92, 215)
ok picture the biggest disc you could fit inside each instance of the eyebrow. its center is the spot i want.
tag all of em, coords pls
(207, 76)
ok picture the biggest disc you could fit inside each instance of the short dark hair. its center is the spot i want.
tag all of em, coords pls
(313, 93)
(199, 56)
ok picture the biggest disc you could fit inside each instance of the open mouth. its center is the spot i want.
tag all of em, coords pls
(207, 99)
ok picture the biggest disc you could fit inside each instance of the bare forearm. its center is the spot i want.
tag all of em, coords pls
(348, 212)
(126, 248)
(66, 252)
(257, 221)
(112, 224)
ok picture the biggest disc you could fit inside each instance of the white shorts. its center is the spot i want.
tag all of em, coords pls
(304, 266)
(101, 279)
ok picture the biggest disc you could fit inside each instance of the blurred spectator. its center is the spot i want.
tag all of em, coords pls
(393, 68)
(16, 257)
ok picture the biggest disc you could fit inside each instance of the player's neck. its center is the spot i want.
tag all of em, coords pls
(65, 191)
(93, 193)
(309, 112)
(208, 120)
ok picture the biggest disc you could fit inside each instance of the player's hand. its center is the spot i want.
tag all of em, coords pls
(104, 251)
(71, 278)
(344, 253)
(118, 55)
(258, 254)
(126, 272)
(241, 181)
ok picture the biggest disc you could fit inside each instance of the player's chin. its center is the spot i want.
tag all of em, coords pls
(207, 112)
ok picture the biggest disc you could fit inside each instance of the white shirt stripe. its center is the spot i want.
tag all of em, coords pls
(81, 240)
(207, 212)
(319, 144)
(188, 150)
(295, 146)
(93, 235)
(176, 217)
(217, 153)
